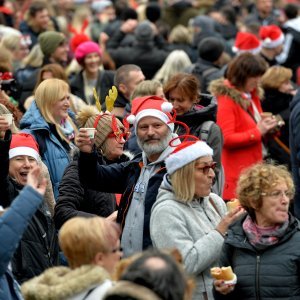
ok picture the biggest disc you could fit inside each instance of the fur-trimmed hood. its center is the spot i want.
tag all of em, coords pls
(60, 283)
(222, 87)
(134, 291)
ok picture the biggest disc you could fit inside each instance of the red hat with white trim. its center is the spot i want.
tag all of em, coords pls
(246, 42)
(271, 36)
(23, 144)
(151, 106)
(185, 153)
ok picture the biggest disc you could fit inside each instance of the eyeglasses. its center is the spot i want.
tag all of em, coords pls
(279, 194)
(119, 136)
(206, 169)
(119, 249)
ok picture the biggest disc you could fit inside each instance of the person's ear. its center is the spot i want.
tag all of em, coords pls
(98, 259)
(122, 88)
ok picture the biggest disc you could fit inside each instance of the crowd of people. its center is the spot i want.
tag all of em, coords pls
(126, 127)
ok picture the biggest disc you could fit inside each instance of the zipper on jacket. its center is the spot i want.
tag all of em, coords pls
(257, 277)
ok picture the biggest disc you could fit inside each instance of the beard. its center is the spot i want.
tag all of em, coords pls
(156, 148)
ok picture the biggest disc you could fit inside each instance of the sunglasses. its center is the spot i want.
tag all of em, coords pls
(206, 169)
(119, 137)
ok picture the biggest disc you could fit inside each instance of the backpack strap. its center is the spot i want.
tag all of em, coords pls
(205, 129)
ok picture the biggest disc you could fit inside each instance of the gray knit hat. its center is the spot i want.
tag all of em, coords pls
(144, 32)
(49, 41)
(104, 127)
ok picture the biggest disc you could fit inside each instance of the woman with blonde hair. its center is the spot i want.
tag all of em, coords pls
(278, 93)
(49, 120)
(176, 62)
(92, 247)
(193, 219)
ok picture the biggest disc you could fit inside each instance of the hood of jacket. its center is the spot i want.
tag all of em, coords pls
(197, 115)
(62, 282)
(131, 290)
(222, 87)
(293, 26)
(236, 235)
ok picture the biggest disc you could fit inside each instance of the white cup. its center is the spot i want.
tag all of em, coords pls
(91, 132)
(8, 118)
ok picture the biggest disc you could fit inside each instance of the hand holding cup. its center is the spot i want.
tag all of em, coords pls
(84, 141)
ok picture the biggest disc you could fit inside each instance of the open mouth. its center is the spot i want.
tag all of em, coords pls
(23, 175)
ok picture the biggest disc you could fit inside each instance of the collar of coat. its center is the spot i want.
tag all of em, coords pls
(63, 282)
(222, 87)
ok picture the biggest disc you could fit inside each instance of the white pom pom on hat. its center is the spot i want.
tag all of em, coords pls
(151, 106)
(271, 36)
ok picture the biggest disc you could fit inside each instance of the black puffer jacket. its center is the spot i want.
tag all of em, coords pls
(263, 275)
(76, 200)
(38, 248)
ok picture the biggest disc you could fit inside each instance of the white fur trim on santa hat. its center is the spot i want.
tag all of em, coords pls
(23, 151)
(186, 155)
(270, 44)
(153, 113)
(253, 51)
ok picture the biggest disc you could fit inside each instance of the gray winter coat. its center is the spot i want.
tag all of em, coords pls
(189, 227)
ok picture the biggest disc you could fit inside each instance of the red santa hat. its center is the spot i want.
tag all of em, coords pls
(271, 36)
(151, 106)
(185, 153)
(246, 42)
(23, 144)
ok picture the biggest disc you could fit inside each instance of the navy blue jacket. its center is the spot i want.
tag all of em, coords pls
(121, 178)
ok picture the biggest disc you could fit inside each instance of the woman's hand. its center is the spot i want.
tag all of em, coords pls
(228, 219)
(4, 125)
(83, 141)
(34, 180)
(266, 124)
(222, 288)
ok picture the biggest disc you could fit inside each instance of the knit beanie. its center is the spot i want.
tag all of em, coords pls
(210, 49)
(86, 48)
(151, 106)
(23, 144)
(185, 153)
(103, 125)
(144, 32)
(49, 41)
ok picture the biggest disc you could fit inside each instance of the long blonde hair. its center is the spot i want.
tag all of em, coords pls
(49, 92)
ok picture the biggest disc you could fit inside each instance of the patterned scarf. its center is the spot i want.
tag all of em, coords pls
(260, 237)
(67, 129)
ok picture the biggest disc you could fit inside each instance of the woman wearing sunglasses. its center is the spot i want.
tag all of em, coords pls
(263, 247)
(75, 200)
(187, 216)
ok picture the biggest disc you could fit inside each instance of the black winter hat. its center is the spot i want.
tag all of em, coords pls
(210, 49)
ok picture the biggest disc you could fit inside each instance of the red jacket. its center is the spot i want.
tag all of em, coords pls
(242, 140)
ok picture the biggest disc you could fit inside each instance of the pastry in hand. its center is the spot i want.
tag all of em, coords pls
(225, 273)
(232, 204)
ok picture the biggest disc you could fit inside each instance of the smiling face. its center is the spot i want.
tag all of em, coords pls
(41, 19)
(153, 136)
(19, 167)
(181, 102)
(203, 182)
(275, 207)
(60, 108)
(92, 62)
(113, 148)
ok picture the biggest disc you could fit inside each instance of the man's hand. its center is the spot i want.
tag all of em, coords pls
(36, 181)
(129, 26)
(83, 141)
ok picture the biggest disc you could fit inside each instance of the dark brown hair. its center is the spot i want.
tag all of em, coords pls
(245, 66)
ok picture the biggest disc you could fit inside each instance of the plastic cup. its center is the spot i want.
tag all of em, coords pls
(91, 132)
(8, 118)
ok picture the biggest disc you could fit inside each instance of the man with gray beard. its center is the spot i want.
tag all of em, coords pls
(139, 179)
